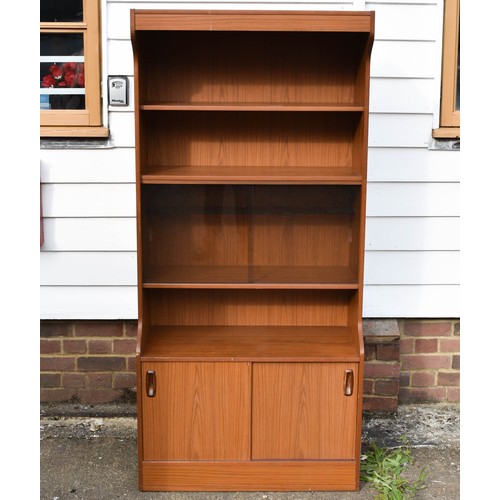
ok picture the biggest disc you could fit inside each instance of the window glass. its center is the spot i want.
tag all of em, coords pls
(62, 71)
(57, 11)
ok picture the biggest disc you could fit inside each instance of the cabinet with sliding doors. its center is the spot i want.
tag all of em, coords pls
(251, 149)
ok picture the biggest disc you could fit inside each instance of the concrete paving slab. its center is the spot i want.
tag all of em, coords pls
(94, 457)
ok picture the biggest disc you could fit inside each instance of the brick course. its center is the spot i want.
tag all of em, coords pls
(430, 361)
(381, 377)
(87, 361)
(406, 361)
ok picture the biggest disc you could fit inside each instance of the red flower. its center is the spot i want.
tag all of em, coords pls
(70, 78)
(69, 74)
(70, 66)
(81, 77)
(56, 71)
(48, 81)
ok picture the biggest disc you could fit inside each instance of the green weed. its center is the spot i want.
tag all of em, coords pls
(384, 469)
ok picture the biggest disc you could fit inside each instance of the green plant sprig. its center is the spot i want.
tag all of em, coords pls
(384, 468)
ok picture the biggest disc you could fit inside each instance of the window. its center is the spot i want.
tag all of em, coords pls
(450, 86)
(70, 79)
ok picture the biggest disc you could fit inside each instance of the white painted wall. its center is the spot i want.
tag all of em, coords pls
(88, 260)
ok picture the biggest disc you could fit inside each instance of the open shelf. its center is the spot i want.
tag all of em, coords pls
(252, 343)
(277, 68)
(228, 141)
(251, 324)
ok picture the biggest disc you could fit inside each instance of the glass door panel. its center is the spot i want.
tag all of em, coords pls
(233, 234)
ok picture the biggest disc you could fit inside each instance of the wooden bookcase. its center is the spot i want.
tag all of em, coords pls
(251, 149)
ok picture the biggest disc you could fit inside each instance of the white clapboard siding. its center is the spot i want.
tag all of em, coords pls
(89, 234)
(404, 301)
(412, 165)
(412, 199)
(120, 57)
(412, 233)
(412, 229)
(88, 302)
(401, 95)
(122, 129)
(102, 165)
(399, 130)
(412, 268)
(118, 17)
(88, 268)
(399, 21)
(399, 2)
(88, 200)
(403, 59)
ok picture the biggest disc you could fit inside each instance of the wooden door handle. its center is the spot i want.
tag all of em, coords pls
(348, 382)
(151, 383)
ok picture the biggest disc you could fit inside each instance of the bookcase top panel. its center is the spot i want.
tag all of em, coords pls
(209, 20)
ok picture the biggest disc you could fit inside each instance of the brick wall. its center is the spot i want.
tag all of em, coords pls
(382, 367)
(406, 361)
(430, 361)
(381, 378)
(87, 361)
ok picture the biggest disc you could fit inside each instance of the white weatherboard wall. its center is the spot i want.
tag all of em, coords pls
(88, 260)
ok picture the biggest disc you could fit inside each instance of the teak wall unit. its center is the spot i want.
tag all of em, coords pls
(251, 149)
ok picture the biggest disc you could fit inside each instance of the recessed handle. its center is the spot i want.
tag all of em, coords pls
(348, 382)
(151, 383)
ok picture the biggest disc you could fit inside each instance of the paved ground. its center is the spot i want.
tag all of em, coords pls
(90, 453)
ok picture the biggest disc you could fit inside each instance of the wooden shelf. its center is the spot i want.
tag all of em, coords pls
(278, 107)
(159, 174)
(251, 343)
(340, 278)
